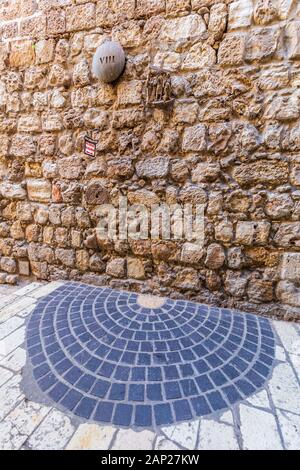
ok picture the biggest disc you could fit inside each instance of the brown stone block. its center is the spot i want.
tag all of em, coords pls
(33, 27)
(271, 172)
(9, 30)
(146, 8)
(12, 9)
(24, 268)
(81, 17)
(56, 22)
(232, 48)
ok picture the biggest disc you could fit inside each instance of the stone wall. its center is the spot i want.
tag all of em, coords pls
(231, 140)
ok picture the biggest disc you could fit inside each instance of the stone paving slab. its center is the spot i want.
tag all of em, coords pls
(33, 424)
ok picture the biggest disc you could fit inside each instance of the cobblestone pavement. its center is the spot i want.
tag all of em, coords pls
(264, 419)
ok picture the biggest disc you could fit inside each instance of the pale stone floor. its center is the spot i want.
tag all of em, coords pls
(268, 420)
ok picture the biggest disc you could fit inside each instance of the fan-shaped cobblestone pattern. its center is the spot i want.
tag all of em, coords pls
(107, 357)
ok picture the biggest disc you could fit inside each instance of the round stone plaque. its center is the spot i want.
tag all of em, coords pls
(109, 61)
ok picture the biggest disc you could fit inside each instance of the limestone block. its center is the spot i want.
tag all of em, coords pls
(295, 175)
(250, 233)
(240, 14)
(52, 121)
(279, 205)
(8, 265)
(187, 279)
(116, 268)
(215, 257)
(191, 26)
(194, 138)
(4, 49)
(290, 269)
(39, 190)
(206, 172)
(175, 7)
(288, 293)
(70, 167)
(292, 33)
(135, 268)
(12, 191)
(262, 172)
(265, 12)
(146, 8)
(261, 44)
(283, 8)
(260, 290)
(157, 167)
(82, 260)
(105, 94)
(65, 257)
(24, 268)
(200, 55)
(29, 123)
(218, 20)
(179, 171)
(143, 196)
(224, 231)
(56, 22)
(274, 78)
(22, 54)
(81, 17)
(34, 27)
(110, 12)
(283, 106)
(130, 93)
(185, 112)
(288, 235)
(96, 194)
(193, 193)
(81, 73)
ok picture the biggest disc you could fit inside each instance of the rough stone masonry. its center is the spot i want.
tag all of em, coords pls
(230, 141)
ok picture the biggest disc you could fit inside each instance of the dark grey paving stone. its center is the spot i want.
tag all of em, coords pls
(97, 353)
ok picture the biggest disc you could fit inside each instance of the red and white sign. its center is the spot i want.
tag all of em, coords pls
(90, 147)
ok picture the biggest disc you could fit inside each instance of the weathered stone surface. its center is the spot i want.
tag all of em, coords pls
(183, 28)
(279, 205)
(80, 17)
(116, 267)
(215, 257)
(96, 194)
(292, 33)
(240, 14)
(22, 146)
(228, 140)
(265, 12)
(262, 172)
(39, 190)
(206, 172)
(288, 234)
(249, 233)
(22, 54)
(291, 266)
(261, 44)
(194, 139)
(232, 48)
(157, 167)
(135, 268)
(12, 191)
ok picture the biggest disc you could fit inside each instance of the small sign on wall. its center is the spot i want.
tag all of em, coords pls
(90, 145)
